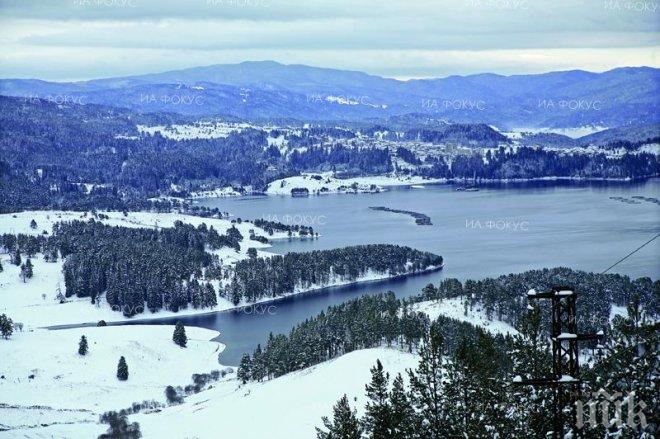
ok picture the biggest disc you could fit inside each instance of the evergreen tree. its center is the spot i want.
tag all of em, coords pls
(27, 270)
(258, 367)
(476, 389)
(426, 388)
(377, 417)
(402, 417)
(1, 268)
(82, 346)
(179, 335)
(122, 369)
(16, 260)
(531, 359)
(429, 291)
(6, 326)
(210, 299)
(33, 224)
(244, 372)
(345, 424)
(629, 365)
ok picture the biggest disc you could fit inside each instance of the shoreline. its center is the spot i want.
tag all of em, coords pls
(318, 290)
(439, 181)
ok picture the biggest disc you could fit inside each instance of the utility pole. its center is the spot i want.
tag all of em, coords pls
(565, 378)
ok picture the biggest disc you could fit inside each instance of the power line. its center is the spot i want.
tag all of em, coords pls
(630, 254)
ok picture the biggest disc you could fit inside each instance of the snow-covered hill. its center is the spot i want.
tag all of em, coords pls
(34, 302)
(66, 387)
(288, 407)
(453, 308)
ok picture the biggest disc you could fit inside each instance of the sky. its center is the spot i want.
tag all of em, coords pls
(83, 39)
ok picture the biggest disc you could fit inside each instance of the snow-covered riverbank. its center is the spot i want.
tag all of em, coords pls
(325, 183)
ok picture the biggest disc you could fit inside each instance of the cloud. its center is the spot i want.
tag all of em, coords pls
(90, 38)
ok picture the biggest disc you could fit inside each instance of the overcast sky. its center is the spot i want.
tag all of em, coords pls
(83, 39)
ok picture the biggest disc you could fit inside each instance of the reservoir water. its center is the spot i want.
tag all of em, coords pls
(501, 229)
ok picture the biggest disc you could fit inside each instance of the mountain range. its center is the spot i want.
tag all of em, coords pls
(269, 90)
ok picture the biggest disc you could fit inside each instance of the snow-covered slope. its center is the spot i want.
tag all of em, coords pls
(20, 222)
(454, 309)
(69, 387)
(326, 183)
(288, 407)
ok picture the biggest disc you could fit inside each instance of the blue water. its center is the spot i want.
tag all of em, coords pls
(499, 230)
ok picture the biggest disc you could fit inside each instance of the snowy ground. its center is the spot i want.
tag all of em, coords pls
(288, 407)
(326, 183)
(197, 130)
(454, 308)
(34, 302)
(20, 222)
(68, 387)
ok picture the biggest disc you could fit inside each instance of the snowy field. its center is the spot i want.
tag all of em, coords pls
(327, 183)
(67, 387)
(454, 309)
(288, 407)
(34, 303)
(20, 222)
(198, 130)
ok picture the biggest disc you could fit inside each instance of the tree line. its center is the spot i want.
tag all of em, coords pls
(174, 268)
(468, 392)
(259, 278)
(361, 323)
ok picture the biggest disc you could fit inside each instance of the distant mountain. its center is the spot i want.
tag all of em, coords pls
(267, 89)
(633, 134)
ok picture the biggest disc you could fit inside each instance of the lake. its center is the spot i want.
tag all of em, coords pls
(501, 229)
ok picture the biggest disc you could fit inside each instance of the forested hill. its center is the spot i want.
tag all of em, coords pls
(83, 157)
(272, 90)
(134, 269)
(383, 319)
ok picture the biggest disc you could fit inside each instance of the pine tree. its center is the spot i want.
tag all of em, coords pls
(179, 337)
(402, 416)
(210, 299)
(476, 390)
(258, 367)
(33, 224)
(426, 388)
(1, 267)
(629, 365)
(27, 270)
(16, 260)
(244, 372)
(6, 326)
(82, 346)
(377, 417)
(122, 369)
(531, 359)
(345, 424)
